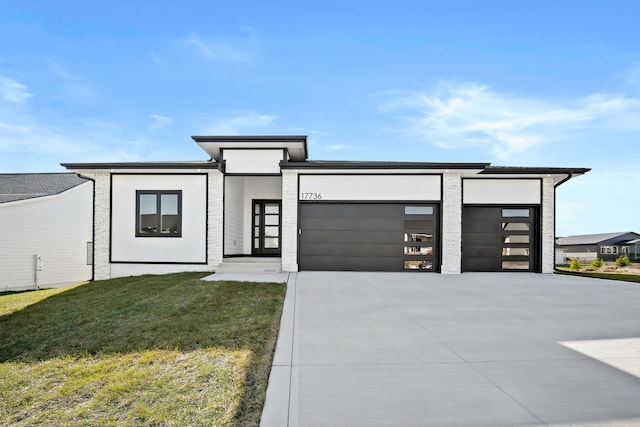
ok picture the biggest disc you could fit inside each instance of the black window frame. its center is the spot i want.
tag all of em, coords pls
(159, 194)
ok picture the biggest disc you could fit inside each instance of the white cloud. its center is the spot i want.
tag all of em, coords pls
(13, 91)
(336, 147)
(456, 115)
(159, 121)
(240, 122)
(216, 51)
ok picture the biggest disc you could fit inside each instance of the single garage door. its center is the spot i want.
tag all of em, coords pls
(500, 238)
(368, 236)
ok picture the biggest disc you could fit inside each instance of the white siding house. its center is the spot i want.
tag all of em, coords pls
(49, 216)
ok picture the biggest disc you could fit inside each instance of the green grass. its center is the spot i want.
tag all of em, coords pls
(562, 269)
(151, 350)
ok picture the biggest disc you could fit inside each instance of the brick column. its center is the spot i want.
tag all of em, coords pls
(289, 220)
(451, 223)
(215, 223)
(548, 225)
(101, 226)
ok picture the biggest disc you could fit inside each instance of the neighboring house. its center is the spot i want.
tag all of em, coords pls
(45, 215)
(259, 203)
(606, 246)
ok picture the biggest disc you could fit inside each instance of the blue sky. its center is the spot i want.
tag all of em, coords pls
(519, 83)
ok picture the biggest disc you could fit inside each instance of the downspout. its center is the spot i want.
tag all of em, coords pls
(555, 186)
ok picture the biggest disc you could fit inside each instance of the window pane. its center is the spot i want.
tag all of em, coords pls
(515, 251)
(418, 265)
(417, 237)
(271, 219)
(256, 231)
(515, 213)
(418, 210)
(256, 208)
(418, 250)
(256, 243)
(148, 213)
(515, 265)
(169, 209)
(271, 242)
(515, 226)
(271, 231)
(271, 208)
(257, 219)
(523, 238)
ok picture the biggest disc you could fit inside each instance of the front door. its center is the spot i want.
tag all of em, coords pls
(266, 226)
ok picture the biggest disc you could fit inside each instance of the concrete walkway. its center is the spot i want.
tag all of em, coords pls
(404, 349)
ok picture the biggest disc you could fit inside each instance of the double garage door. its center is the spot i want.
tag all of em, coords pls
(369, 236)
(405, 237)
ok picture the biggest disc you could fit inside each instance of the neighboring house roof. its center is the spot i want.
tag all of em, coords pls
(22, 186)
(629, 242)
(589, 239)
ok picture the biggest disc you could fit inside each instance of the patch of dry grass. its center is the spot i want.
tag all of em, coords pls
(154, 350)
(14, 301)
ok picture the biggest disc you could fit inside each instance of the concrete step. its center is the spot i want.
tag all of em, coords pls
(233, 265)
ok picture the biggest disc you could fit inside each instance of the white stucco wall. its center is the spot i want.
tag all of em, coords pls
(252, 161)
(233, 215)
(57, 228)
(370, 187)
(501, 191)
(189, 248)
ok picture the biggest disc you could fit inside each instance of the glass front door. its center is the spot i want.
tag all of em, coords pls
(266, 226)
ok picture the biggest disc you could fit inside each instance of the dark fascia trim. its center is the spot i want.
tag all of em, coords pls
(532, 170)
(144, 165)
(250, 138)
(379, 165)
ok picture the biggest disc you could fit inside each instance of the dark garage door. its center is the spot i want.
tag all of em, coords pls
(500, 238)
(368, 236)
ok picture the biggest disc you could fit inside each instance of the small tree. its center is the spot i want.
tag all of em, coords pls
(575, 265)
(623, 261)
(596, 264)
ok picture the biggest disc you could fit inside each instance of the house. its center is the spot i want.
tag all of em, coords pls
(606, 246)
(46, 229)
(259, 202)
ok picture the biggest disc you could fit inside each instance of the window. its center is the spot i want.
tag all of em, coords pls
(418, 237)
(418, 265)
(515, 251)
(515, 213)
(518, 238)
(515, 226)
(515, 265)
(608, 249)
(158, 213)
(418, 210)
(625, 250)
(418, 250)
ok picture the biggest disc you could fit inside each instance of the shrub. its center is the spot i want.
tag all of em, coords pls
(575, 265)
(596, 264)
(623, 261)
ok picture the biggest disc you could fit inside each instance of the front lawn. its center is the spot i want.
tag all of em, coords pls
(150, 350)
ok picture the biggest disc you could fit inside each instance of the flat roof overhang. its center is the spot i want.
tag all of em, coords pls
(296, 145)
(143, 165)
(378, 165)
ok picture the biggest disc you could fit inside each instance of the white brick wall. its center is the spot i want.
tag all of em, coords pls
(451, 223)
(548, 225)
(215, 221)
(289, 220)
(102, 267)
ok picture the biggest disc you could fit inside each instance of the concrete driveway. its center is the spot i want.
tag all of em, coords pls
(477, 349)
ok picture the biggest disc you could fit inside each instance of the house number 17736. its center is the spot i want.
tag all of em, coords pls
(311, 196)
